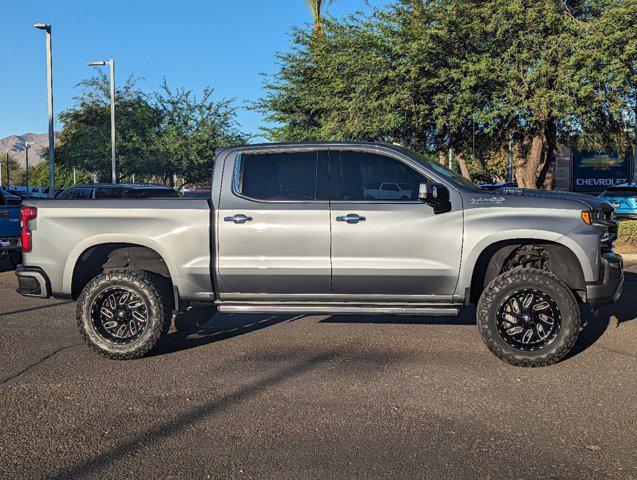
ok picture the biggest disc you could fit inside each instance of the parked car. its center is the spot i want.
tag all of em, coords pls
(288, 229)
(197, 193)
(389, 191)
(9, 198)
(119, 190)
(28, 192)
(624, 199)
(10, 245)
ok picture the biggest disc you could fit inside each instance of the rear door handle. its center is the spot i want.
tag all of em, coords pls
(350, 218)
(238, 218)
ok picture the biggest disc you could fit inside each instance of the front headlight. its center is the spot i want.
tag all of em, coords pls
(593, 218)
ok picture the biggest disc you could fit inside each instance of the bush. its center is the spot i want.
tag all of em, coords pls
(627, 240)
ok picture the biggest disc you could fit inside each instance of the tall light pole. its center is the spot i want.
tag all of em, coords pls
(26, 153)
(8, 170)
(111, 62)
(49, 82)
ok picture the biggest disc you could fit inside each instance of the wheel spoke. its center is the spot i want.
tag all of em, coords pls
(528, 335)
(110, 325)
(541, 306)
(540, 331)
(515, 330)
(526, 303)
(106, 312)
(139, 316)
(546, 319)
(515, 305)
(124, 298)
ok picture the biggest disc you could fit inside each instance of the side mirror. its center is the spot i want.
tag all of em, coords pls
(436, 195)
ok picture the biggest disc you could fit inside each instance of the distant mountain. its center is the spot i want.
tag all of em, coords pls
(17, 147)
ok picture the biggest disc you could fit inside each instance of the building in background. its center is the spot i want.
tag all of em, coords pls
(592, 172)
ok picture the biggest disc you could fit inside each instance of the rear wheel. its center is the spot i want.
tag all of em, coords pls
(528, 317)
(122, 314)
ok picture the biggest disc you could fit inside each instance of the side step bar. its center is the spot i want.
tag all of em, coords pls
(338, 309)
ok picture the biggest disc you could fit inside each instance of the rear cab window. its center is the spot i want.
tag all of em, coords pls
(282, 176)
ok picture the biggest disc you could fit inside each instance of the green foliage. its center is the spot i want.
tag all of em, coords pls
(157, 136)
(16, 173)
(39, 175)
(190, 130)
(627, 239)
(464, 75)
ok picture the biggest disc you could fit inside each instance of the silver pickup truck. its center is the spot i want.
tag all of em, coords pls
(288, 229)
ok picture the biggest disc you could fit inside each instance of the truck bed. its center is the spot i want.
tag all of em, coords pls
(177, 229)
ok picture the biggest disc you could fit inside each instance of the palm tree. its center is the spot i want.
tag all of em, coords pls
(317, 7)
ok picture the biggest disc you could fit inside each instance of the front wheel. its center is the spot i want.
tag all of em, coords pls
(528, 317)
(122, 314)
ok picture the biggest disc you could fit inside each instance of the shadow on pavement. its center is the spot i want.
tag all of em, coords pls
(214, 327)
(303, 364)
(5, 265)
(202, 326)
(594, 324)
(30, 309)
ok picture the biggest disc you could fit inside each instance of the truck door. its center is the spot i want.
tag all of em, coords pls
(273, 225)
(385, 247)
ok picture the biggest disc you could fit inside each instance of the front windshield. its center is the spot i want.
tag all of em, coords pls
(441, 169)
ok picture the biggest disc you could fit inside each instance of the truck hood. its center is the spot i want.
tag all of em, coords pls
(589, 201)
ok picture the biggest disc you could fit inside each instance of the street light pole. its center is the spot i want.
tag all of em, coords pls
(8, 170)
(26, 153)
(111, 63)
(49, 81)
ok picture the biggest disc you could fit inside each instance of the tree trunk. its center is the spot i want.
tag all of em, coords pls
(536, 168)
(463, 165)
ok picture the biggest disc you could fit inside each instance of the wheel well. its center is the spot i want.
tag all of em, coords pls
(509, 254)
(115, 256)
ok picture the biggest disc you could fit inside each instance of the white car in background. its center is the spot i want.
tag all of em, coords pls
(389, 191)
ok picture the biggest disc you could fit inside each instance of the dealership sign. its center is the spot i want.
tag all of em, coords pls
(594, 171)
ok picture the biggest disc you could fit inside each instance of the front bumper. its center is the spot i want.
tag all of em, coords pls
(32, 282)
(610, 288)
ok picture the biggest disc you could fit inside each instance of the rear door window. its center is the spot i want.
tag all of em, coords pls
(284, 176)
(108, 192)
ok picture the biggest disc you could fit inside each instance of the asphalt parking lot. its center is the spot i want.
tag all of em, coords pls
(313, 397)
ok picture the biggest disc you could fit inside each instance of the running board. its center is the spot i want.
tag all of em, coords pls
(432, 311)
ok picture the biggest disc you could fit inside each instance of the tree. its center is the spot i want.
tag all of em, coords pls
(39, 175)
(466, 77)
(16, 172)
(157, 136)
(85, 141)
(190, 130)
(317, 7)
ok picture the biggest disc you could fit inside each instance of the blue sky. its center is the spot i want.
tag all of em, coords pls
(225, 44)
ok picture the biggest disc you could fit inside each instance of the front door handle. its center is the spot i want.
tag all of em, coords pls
(350, 218)
(238, 218)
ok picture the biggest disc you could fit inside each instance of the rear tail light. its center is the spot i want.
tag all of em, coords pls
(26, 215)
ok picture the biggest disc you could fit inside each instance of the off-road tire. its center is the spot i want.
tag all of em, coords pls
(147, 287)
(506, 284)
